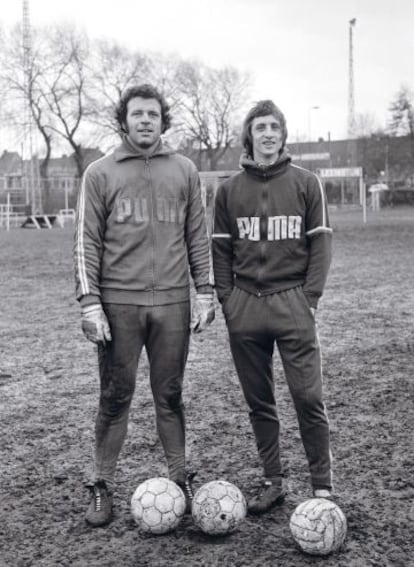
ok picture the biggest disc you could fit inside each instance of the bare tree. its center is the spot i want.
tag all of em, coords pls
(73, 90)
(113, 69)
(163, 72)
(210, 103)
(366, 125)
(22, 84)
(52, 84)
(66, 86)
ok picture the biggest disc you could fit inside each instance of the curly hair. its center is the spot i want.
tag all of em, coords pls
(261, 108)
(144, 91)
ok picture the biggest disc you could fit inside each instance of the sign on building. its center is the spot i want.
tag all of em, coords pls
(338, 172)
(323, 156)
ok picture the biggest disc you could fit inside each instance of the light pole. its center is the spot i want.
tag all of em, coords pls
(310, 121)
(351, 87)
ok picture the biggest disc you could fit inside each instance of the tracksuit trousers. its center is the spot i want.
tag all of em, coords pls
(255, 324)
(164, 331)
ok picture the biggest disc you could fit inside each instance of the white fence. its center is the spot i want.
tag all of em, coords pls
(11, 220)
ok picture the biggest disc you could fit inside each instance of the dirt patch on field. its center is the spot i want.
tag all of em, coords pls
(48, 397)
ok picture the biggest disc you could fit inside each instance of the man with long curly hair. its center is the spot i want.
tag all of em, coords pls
(271, 255)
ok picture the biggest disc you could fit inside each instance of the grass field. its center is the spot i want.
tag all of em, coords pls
(48, 398)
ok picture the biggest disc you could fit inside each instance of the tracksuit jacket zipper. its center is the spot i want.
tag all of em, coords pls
(262, 230)
(151, 189)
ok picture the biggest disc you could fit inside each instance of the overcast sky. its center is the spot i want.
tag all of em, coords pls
(296, 50)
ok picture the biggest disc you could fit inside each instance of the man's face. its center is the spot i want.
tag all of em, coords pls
(267, 135)
(143, 122)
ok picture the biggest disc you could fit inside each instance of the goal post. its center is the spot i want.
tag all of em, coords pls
(210, 181)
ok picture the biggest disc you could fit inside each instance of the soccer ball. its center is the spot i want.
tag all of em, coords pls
(158, 505)
(218, 507)
(318, 526)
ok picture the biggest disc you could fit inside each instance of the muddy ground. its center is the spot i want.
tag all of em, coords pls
(48, 397)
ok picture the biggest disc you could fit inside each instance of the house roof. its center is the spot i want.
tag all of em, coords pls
(10, 164)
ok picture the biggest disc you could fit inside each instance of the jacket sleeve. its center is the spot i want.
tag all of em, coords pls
(319, 235)
(196, 237)
(89, 236)
(222, 248)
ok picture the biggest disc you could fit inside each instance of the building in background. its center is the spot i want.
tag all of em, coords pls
(58, 191)
(382, 159)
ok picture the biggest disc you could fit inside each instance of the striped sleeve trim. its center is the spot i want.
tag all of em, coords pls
(80, 232)
(221, 235)
(318, 229)
(80, 247)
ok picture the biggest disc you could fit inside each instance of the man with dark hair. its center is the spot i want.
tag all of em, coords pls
(140, 229)
(145, 91)
(271, 255)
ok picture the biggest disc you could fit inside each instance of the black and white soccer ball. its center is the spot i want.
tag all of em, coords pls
(158, 505)
(218, 507)
(318, 526)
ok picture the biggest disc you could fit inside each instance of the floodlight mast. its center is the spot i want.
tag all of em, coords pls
(31, 179)
(351, 93)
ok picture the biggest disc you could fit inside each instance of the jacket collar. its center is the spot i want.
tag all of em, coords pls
(127, 151)
(265, 171)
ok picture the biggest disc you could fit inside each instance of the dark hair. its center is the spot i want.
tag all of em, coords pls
(143, 91)
(261, 108)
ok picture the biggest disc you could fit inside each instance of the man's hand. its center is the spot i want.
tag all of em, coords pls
(95, 325)
(202, 312)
